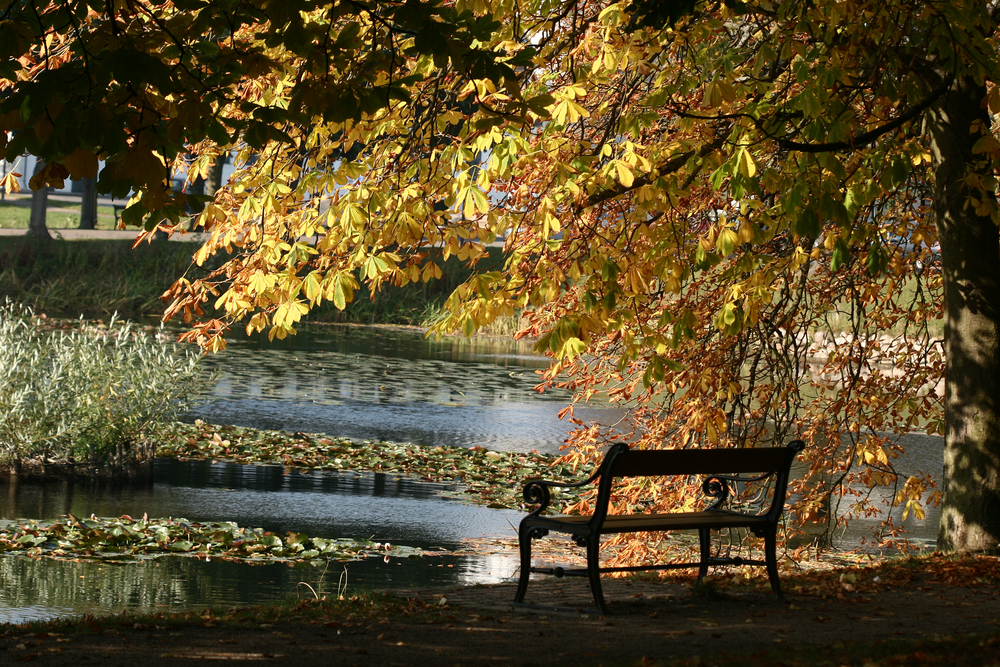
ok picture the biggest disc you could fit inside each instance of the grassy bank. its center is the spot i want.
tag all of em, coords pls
(100, 277)
(90, 278)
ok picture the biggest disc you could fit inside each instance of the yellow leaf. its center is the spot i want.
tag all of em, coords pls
(713, 436)
(746, 164)
(257, 323)
(625, 176)
(431, 271)
(260, 283)
(312, 286)
(573, 347)
(10, 182)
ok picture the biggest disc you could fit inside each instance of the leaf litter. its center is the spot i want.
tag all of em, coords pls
(490, 478)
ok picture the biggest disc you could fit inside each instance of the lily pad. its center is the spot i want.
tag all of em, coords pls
(127, 539)
(489, 478)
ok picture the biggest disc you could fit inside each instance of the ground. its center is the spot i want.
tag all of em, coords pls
(650, 621)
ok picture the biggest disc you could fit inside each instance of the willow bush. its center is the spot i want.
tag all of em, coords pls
(85, 402)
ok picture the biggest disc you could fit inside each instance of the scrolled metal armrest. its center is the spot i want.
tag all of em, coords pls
(716, 487)
(536, 492)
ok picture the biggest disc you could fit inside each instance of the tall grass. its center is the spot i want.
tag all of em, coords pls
(90, 278)
(86, 402)
(100, 277)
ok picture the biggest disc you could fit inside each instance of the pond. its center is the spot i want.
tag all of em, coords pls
(358, 382)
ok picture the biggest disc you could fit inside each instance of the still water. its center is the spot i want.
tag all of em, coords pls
(392, 384)
(368, 505)
(358, 382)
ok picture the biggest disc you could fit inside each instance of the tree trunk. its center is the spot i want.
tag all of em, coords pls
(88, 206)
(197, 188)
(970, 264)
(39, 204)
(214, 180)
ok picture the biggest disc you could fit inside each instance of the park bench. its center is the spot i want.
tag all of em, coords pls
(745, 489)
(117, 210)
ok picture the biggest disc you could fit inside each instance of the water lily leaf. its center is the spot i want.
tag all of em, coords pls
(488, 478)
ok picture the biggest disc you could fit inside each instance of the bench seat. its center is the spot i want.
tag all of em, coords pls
(637, 523)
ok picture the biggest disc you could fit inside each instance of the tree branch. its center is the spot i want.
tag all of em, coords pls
(670, 166)
(863, 140)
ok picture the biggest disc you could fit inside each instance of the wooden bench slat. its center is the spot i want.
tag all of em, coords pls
(648, 463)
(679, 521)
(629, 523)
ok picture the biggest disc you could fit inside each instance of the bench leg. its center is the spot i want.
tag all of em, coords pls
(771, 558)
(524, 543)
(594, 571)
(705, 539)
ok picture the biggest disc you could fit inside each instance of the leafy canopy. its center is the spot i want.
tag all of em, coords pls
(693, 197)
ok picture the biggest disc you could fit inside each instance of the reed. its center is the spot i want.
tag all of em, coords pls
(86, 402)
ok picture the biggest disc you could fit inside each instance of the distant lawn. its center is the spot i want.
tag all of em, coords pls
(15, 216)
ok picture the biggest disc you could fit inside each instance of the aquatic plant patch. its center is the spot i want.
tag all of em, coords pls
(124, 539)
(489, 478)
(84, 401)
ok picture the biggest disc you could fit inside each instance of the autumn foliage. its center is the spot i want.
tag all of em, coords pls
(721, 218)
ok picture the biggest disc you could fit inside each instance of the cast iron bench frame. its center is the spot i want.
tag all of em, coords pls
(620, 461)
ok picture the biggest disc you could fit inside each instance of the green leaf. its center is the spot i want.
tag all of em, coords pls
(841, 254)
(808, 224)
(877, 260)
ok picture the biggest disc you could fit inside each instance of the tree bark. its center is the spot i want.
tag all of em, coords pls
(214, 180)
(88, 205)
(970, 264)
(39, 204)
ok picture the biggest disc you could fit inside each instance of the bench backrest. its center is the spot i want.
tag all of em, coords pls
(620, 461)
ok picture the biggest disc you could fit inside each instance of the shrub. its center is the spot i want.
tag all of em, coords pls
(86, 401)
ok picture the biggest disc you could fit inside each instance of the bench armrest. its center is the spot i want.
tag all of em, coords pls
(717, 486)
(536, 491)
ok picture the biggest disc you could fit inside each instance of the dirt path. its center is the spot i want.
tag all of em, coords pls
(477, 626)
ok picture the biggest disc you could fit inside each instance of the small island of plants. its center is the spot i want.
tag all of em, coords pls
(86, 400)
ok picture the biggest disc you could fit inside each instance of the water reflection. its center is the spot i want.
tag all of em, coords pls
(391, 384)
(357, 505)
(369, 505)
(44, 589)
